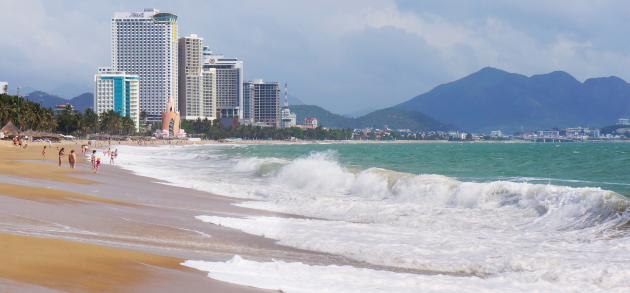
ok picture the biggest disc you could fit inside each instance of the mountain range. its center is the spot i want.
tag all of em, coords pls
(80, 102)
(489, 99)
(495, 99)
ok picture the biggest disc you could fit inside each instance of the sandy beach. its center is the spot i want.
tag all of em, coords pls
(116, 231)
(71, 230)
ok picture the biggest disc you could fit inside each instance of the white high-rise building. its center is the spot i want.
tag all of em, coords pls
(118, 91)
(4, 88)
(145, 43)
(229, 83)
(191, 102)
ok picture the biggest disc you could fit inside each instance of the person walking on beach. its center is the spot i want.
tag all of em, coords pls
(112, 156)
(93, 159)
(72, 159)
(44, 153)
(61, 154)
(97, 164)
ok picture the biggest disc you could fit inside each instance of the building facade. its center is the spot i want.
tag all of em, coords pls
(191, 100)
(287, 119)
(266, 103)
(117, 91)
(4, 88)
(248, 102)
(229, 84)
(145, 44)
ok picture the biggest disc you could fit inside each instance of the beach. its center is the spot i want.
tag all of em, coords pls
(71, 230)
(241, 217)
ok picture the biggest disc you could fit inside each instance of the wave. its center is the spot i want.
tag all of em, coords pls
(317, 179)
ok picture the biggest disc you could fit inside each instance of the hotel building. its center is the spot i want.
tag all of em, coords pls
(118, 91)
(229, 83)
(4, 88)
(145, 44)
(265, 102)
(191, 79)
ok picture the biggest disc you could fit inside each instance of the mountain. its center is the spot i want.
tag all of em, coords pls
(391, 117)
(80, 103)
(325, 117)
(495, 99)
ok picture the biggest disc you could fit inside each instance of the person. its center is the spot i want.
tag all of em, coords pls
(61, 154)
(93, 159)
(72, 158)
(112, 156)
(44, 153)
(97, 164)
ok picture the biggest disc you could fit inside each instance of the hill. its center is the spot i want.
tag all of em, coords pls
(80, 103)
(391, 117)
(495, 99)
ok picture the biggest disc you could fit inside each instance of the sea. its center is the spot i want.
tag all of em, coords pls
(430, 217)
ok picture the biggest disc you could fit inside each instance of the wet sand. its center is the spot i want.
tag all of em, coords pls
(137, 225)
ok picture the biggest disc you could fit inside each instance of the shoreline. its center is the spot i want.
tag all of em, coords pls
(116, 209)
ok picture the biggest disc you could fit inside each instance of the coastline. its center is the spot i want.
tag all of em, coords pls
(126, 219)
(74, 231)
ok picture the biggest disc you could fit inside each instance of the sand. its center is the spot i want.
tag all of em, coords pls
(40, 201)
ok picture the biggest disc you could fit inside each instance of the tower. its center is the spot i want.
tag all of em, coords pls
(145, 44)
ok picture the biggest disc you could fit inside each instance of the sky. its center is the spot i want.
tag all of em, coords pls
(345, 55)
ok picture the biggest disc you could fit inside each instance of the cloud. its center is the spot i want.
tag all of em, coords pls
(338, 54)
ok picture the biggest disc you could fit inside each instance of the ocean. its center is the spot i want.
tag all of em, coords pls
(443, 216)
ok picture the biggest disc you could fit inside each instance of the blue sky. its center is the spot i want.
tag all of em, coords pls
(346, 55)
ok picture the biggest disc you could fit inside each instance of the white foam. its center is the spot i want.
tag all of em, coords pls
(295, 277)
(516, 230)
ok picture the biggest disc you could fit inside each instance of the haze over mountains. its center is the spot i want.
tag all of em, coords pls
(488, 99)
(495, 99)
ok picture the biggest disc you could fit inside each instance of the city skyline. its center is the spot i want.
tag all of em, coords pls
(333, 55)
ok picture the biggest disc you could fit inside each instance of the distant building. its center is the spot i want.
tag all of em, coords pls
(248, 103)
(229, 83)
(623, 121)
(265, 102)
(311, 122)
(581, 133)
(287, 119)
(118, 91)
(496, 133)
(145, 44)
(4, 88)
(549, 134)
(59, 108)
(194, 101)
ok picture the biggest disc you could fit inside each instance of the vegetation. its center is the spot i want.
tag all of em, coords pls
(209, 130)
(27, 115)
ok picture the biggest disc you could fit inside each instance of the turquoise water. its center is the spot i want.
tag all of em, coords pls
(604, 165)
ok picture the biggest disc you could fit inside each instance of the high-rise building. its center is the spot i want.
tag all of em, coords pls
(4, 88)
(229, 83)
(266, 103)
(209, 93)
(145, 43)
(248, 103)
(118, 91)
(191, 94)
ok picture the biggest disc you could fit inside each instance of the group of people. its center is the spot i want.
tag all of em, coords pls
(95, 160)
(72, 157)
(17, 141)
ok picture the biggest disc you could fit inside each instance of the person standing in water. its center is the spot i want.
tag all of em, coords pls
(72, 159)
(61, 154)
